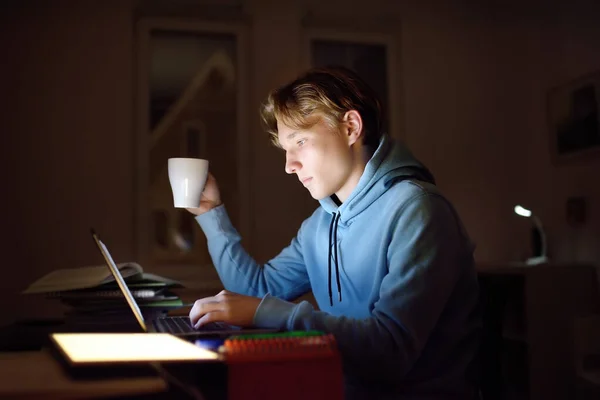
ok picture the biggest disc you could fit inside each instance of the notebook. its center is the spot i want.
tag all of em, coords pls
(176, 325)
(94, 278)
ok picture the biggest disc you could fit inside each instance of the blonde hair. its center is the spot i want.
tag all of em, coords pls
(327, 92)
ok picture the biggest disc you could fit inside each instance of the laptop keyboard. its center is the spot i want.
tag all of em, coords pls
(177, 325)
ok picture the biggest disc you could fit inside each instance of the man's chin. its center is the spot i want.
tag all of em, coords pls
(319, 196)
(315, 195)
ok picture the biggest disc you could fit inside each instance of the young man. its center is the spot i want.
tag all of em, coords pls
(385, 254)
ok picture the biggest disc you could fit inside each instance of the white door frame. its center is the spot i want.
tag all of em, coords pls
(144, 27)
(389, 40)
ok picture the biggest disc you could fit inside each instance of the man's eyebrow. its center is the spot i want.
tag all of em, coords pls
(292, 135)
(288, 138)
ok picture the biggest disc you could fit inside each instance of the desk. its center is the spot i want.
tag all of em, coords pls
(533, 311)
(36, 375)
(31, 330)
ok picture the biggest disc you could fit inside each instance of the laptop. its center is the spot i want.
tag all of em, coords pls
(176, 325)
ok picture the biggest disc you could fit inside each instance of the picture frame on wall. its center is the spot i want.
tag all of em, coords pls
(574, 119)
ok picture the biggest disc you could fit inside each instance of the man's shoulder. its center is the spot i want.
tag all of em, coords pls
(318, 214)
(409, 189)
(420, 194)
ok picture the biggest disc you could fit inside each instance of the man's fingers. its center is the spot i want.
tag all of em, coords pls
(202, 307)
(213, 308)
(213, 316)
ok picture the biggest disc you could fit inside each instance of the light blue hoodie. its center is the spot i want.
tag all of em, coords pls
(401, 296)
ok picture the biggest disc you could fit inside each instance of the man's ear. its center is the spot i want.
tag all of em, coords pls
(353, 126)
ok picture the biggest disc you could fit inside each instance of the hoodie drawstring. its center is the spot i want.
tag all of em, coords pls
(333, 240)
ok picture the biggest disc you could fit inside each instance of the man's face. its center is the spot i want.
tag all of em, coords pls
(320, 156)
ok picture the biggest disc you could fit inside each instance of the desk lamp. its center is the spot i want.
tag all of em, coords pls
(539, 256)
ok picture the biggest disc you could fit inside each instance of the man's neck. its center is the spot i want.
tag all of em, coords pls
(362, 156)
(336, 200)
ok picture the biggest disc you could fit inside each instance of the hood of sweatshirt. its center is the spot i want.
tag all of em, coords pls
(390, 162)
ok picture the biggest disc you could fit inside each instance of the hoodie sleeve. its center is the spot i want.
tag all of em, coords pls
(284, 276)
(426, 255)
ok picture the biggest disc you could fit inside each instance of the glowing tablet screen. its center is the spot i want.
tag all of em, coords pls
(88, 348)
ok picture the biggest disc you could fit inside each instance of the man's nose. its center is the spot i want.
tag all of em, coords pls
(291, 164)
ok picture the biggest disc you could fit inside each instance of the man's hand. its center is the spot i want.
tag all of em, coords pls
(228, 307)
(211, 197)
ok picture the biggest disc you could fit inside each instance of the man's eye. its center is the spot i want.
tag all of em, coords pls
(301, 142)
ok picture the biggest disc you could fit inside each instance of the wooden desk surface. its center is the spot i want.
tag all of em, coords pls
(36, 375)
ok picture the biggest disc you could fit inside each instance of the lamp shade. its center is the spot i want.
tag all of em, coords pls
(522, 211)
(539, 237)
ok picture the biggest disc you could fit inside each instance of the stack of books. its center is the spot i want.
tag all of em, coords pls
(95, 302)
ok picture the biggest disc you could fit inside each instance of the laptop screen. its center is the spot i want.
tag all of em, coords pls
(120, 281)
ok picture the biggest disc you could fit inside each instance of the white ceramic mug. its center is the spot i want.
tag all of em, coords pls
(187, 177)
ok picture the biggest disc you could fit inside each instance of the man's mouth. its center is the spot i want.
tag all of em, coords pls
(306, 181)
